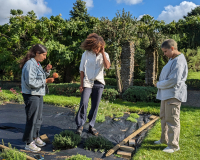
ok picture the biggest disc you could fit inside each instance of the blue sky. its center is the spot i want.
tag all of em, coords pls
(160, 9)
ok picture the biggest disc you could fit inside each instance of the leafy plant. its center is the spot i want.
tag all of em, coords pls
(79, 157)
(12, 154)
(111, 81)
(110, 94)
(93, 143)
(132, 117)
(66, 139)
(140, 93)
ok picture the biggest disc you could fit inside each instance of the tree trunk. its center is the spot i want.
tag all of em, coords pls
(118, 77)
(127, 65)
(150, 75)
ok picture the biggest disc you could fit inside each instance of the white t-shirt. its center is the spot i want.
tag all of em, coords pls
(93, 68)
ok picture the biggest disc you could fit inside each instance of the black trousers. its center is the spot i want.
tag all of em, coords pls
(33, 108)
(96, 93)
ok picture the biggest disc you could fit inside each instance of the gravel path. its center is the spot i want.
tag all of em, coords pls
(193, 98)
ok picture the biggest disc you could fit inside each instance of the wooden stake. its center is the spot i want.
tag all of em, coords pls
(127, 148)
(125, 154)
(111, 151)
(27, 157)
(131, 142)
(45, 138)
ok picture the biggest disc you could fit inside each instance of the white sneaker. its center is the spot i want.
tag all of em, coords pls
(169, 150)
(32, 147)
(157, 142)
(39, 142)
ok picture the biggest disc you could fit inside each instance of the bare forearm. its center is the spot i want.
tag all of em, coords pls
(82, 77)
(105, 61)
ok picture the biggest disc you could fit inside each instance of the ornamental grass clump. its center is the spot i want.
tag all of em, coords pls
(78, 157)
(66, 140)
(98, 143)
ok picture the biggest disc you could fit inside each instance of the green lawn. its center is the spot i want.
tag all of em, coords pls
(193, 75)
(190, 126)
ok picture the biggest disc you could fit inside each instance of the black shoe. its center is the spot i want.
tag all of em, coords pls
(79, 130)
(93, 131)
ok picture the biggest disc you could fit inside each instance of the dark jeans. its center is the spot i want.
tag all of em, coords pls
(33, 108)
(96, 93)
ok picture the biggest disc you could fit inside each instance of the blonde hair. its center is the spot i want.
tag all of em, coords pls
(92, 41)
(169, 43)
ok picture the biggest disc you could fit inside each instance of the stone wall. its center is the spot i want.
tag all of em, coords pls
(127, 65)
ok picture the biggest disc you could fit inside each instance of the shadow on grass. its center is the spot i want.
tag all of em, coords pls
(149, 144)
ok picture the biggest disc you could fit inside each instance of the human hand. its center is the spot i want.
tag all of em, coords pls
(102, 50)
(49, 80)
(81, 89)
(48, 67)
(155, 84)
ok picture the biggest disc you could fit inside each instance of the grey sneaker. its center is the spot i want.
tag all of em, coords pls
(169, 150)
(39, 142)
(32, 147)
(157, 142)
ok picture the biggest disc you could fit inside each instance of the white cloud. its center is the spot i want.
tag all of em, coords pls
(176, 12)
(89, 4)
(129, 2)
(38, 6)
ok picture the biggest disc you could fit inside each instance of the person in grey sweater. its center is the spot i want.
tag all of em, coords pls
(33, 82)
(172, 90)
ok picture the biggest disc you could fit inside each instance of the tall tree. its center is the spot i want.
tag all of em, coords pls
(79, 11)
(194, 12)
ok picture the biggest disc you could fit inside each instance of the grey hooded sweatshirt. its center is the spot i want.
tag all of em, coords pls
(172, 80)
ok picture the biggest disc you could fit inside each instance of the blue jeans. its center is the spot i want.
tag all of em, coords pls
(96, 93)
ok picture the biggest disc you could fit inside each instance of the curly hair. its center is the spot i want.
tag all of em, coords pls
(38, 48)
(92, 41)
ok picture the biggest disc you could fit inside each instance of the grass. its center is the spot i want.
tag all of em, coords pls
(193, 75)
(190, 126)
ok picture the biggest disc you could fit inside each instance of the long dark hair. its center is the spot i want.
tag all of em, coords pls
(38, 48)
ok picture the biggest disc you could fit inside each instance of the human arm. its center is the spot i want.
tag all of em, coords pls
(173, 78)
(105, 59)
(81, 77)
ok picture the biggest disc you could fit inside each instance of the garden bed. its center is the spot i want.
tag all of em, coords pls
(57, 119)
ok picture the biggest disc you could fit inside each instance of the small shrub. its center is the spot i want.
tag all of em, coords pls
(98, 143)
(100, 118)
(138, 82)
(140, 93)
(3, 97)
(111, 81)
(132, 117)
(66, 140)
(119, 114)
(79, 157)
(109, 94)
(18, 96)
(12, 154)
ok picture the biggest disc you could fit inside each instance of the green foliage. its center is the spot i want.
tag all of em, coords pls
(140, 93)
(111, 81)
(138, 82)
(194, 12)
(193, 58)
(79, 157)
(119, 114)
(133, 117)
(98, 143)
(66, 140)
(12, 154)
(67, 89)
(110, 94)
(193, 84)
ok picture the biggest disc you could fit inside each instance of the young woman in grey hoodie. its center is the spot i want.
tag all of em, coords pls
(172, 90)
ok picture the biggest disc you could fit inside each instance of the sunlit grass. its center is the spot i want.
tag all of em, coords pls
(193, 75)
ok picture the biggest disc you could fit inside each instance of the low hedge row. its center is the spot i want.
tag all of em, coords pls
(72, 89)
(140, 93)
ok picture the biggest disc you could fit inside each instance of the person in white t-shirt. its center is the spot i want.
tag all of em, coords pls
(92, 65)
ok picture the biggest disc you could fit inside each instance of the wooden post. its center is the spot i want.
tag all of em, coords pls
(27, 157)
(131, 142)
(111, 151)
(127, 148)
(125, 154)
